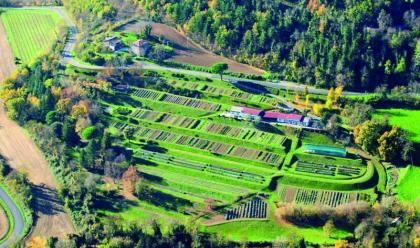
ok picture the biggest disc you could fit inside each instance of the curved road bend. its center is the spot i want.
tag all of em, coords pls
(19, 222)
(69, 59)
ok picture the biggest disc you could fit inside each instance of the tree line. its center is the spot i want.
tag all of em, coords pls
(358, 44)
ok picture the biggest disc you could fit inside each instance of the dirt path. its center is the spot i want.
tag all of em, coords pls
(189, 52)
(4, 224)
(24, 156)
(7, 62)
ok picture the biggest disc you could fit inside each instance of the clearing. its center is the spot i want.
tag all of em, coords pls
(7, 65)
(187, 51)
(407, 187)
(29, 43)
(407, 119)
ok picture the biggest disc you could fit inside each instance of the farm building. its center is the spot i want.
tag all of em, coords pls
(282, 118)
(325, 150)
(140, 47)
(243, 113)
(114, 43)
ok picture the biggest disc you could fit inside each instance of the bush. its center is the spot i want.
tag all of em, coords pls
(89, 132)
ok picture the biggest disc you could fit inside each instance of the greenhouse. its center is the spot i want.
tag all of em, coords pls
(325, 150)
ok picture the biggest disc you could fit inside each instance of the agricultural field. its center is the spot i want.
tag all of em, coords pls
(407, 119)
(7, 65)
(29, 43)
(313, 197)
(187, 51)
(190, 155)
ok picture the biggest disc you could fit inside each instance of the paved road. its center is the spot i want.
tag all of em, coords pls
(69, 59)
(18, 219)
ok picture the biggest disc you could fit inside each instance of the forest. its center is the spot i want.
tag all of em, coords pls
(316, 42)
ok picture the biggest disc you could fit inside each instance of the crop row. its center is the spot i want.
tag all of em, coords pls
(167, 159)
(318, 197)
(245, 134)
(207, 145)
(146, 115)
(254, 209)
(28, 42)
(190, 102)
(326, 169)
(147, 94)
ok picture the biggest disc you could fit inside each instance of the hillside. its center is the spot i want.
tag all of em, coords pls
(315, 42)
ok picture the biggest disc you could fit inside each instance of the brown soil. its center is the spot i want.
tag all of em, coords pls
(24, 156)
(4, 224)
(7, 63)
(189, 52)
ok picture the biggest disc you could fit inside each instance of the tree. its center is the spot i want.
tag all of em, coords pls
(130, 178)
(219, 68)
(305, 91)
(147, 31)
(392, 144)
(342, 243)
(317, 109)
(357, 113)
(129, 132)
(367, 134)
(330, 98)
(328, 228)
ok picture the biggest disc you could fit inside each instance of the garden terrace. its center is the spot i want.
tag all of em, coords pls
(327, 169)
(172, 160)
(148, 94)
(227, 92)
(244, 134)
(175, 99)
(206, 145)
(254, 209)
(195, 182)
(190, 102)
(303, 196)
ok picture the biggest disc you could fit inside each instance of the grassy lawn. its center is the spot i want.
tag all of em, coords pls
(407, 119)
(408, 183)
(270, 230)
(30, 32)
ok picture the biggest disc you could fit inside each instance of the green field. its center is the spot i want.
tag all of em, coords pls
(407, 119)
(29, 43)
(408, 187)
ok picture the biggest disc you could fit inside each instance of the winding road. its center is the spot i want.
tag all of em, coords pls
(19, 222)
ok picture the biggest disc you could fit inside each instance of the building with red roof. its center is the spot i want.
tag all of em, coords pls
(283, 118)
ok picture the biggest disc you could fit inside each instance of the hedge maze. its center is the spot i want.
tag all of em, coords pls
(289, 194)
(254, 209)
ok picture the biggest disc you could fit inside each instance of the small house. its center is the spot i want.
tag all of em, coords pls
(114, 43)
(244, 113)
(140, 47)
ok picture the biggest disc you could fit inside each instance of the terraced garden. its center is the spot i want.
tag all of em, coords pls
(303, 196)
(182, 147)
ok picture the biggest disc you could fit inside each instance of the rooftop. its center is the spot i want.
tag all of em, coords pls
(251, 111)
(140, 43)
(278, 115)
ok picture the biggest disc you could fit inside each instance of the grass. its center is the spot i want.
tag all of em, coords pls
(30, 32)
(407, 185)
(407, 119)
(260, 231)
